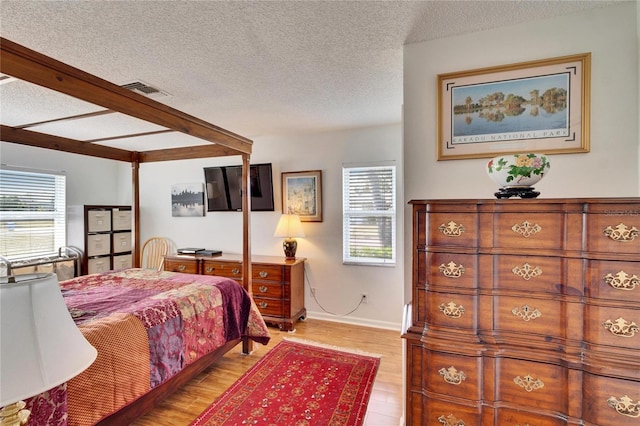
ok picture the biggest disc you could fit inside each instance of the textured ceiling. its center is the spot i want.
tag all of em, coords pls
(254, 68)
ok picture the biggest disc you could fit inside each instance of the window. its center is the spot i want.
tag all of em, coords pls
(369, 215)
(32, 213)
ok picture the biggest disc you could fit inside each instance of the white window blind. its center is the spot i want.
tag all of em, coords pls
(32, 213)
(369, 215)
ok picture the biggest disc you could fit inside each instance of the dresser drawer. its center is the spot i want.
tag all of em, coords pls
(98, 264)
(614, 229)
(266, 272)
(543, 274)
(453, 374)
(121, 242)
(609, 401)
(452, 230)
(272, 307)
(223, 269)
(613, 326)
(529, 231)
(121, 220)
(446, 413)
(122, 261)
(509, 417)
(99, 220)
(98, 244)
(451, 270)
(613, 280)
(185, 265)
(453, 310)
(531, 316)
(533, 384)
(266, 289)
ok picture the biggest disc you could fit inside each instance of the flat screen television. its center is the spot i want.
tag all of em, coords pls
(224, 185)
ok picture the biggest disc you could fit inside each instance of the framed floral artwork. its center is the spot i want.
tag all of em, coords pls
(302, 195)
(538, 106)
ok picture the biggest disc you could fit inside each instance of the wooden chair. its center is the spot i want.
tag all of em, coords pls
(153, 252)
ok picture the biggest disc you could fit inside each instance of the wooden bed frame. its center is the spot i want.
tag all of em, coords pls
(31, 66)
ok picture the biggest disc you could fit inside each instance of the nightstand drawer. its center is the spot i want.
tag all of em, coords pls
(185, 265)
(265, 289)
(222, 269)
(272, 307)
(266, 272)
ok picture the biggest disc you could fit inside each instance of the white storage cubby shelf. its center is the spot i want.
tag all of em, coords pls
(107, 238)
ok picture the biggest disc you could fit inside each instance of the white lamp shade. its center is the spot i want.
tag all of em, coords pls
(289, 226)
(40, 345)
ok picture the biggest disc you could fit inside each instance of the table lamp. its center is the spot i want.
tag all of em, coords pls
(40, 345)
(289, 227)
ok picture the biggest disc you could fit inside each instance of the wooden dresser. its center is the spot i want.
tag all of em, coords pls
(278, 283)
(525, 312)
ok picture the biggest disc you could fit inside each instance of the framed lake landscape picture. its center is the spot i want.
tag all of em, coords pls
(537, 106)
(187, 199)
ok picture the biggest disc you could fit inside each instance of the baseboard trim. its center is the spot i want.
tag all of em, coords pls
(355, 321)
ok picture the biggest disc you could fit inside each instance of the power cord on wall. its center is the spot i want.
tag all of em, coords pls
(313, 293)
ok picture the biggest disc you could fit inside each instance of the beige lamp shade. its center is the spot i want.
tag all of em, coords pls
(40, 345)
(289, 226)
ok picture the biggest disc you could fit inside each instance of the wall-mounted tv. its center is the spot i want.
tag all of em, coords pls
(224, 185)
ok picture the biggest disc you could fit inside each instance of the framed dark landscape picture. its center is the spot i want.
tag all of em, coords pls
(187, 199)
(538, 106)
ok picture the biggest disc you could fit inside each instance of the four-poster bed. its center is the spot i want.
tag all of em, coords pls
(30, 66)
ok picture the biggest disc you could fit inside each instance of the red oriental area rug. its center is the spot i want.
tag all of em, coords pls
(298, 383)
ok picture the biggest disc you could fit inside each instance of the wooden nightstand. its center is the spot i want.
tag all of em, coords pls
(278, 284)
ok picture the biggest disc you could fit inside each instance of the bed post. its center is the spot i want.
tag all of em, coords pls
(247, 345)
(135, 198)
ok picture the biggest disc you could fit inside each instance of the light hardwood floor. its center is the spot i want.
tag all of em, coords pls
(385, 405)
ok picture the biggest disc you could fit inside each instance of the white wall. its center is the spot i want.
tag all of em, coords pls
(609, 170)
(338, 287)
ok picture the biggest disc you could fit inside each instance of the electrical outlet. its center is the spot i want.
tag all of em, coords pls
(364, 297)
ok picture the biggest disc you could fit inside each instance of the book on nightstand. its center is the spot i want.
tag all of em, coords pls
(209, 253)
(190, 250)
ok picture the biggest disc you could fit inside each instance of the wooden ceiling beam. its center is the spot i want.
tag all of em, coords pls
(198, 151)
(29, 65)
(58, 143)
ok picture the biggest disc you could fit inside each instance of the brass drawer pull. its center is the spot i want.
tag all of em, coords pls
(263, 289)
(451, 229)
(526, 229)
(181, 267)
(210, 269)
(526, 271)
(451, 420)
(263, 305)
(235, 271)
(452, 310)
(621, 327)
(452, 376)
(528, 383)
(526, 313)
(263, 274)
(621, 233)
(625, 406)
(622, 281)
(451, 270)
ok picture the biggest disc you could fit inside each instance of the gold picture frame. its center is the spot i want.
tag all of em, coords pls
(302, 194)
(537, 106)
